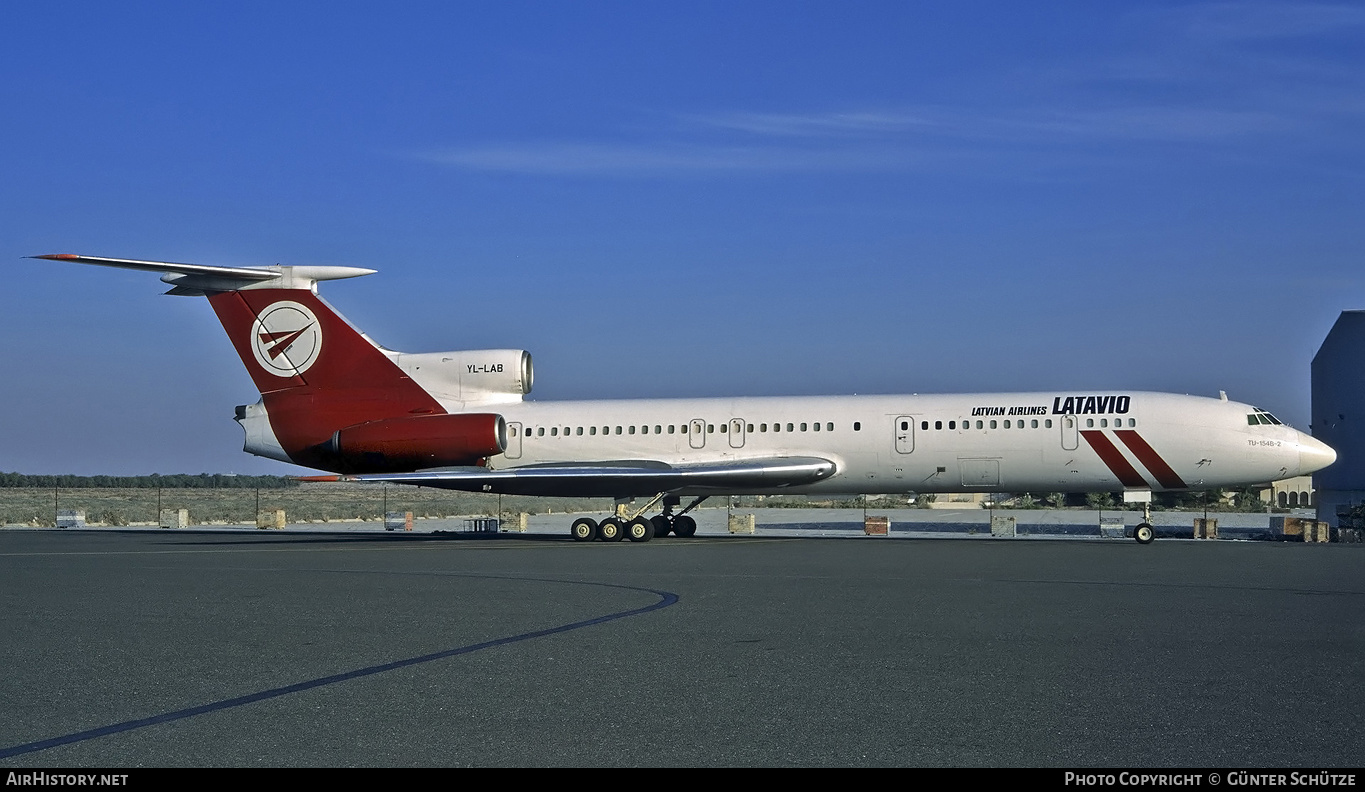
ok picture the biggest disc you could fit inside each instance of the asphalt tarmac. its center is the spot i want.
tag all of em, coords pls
(152, 649)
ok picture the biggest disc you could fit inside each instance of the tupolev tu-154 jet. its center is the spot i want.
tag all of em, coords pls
(334, 400)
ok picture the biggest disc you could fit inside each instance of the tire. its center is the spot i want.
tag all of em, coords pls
(1144, 533)
(611, 530)
(684, 526)
(584, 529)
(639, 530)
(661, 526)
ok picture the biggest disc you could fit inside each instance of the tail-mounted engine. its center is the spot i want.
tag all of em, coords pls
(486, 376)
(418, 442)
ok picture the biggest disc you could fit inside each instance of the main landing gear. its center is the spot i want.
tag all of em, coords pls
(638, 528)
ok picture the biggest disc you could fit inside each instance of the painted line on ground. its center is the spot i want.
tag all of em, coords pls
(666, 598)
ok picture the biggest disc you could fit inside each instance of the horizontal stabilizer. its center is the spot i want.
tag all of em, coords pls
(198, 279)
(617, 479)
(235, 273)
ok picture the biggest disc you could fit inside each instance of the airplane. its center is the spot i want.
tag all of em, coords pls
(334, 400)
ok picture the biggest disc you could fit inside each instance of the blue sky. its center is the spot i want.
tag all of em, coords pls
(678, 199)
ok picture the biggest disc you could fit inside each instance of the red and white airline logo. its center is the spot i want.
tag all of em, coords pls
(287, 339)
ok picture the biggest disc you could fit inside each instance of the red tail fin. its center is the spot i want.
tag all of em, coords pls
(316, 373)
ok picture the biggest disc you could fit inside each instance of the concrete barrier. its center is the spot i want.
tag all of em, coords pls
(70, 518)
(877, 526)
(174, 518)
(741, 523)
(273, 518)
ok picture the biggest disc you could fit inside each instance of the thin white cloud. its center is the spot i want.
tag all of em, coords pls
(1155, 123)
(820, 124)
(607, 159)
(1027, 125)
(938, 138)
(1214, 82)
(1261, 21)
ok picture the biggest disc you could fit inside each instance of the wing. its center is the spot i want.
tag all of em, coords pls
(630, 478)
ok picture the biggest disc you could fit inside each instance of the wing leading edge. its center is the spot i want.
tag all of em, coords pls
(617, 479)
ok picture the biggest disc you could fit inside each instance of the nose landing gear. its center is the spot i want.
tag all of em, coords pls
(1143, 532)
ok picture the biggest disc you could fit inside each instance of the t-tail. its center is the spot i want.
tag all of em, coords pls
(331, 398)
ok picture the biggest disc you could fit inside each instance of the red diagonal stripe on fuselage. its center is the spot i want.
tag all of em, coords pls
(1111, 456)
(1151, 459)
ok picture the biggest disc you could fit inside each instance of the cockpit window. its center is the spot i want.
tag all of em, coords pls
(1262, 417)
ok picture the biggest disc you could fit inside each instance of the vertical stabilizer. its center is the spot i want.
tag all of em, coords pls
(316, 373)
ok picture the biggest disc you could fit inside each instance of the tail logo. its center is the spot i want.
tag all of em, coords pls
(286, 339)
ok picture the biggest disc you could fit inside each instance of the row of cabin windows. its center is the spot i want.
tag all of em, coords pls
(1033, 423)
(555, 431)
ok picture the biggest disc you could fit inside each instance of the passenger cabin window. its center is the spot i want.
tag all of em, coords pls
(857, 426)
(924, 425)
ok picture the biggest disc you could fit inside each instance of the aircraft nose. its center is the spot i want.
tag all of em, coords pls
(1314, 454)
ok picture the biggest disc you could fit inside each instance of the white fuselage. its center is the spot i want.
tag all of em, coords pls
(1011, 442)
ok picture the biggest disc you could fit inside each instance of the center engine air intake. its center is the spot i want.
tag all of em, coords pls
(399, 445)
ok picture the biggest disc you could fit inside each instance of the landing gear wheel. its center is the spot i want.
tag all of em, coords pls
(661, 526)
(684, 526)
(610, 530)
(639, 530)
(1144, 533)
(584, 529)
